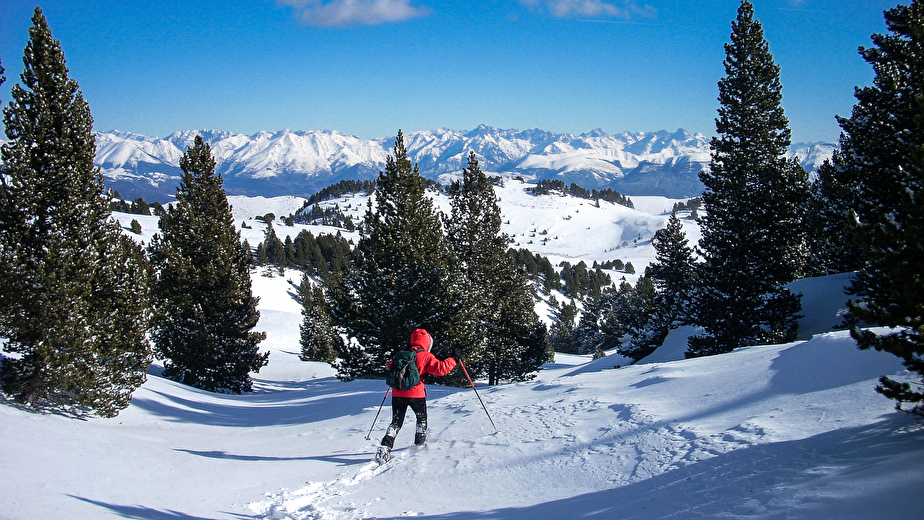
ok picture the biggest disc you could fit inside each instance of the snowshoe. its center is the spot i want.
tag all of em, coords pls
(383, 454)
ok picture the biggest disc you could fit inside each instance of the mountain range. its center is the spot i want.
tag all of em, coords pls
(302, 162)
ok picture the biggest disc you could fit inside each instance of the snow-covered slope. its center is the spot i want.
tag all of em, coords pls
(781, 431)
(786, 431)
(301, 163)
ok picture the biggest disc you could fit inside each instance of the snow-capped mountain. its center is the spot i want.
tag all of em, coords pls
(302, 162)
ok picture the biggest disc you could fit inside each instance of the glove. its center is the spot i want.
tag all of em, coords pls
(457, 354)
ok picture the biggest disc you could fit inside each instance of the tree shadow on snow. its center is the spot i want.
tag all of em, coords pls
(816, 365)
(218, 454)
(852, 473)
(280, 409)
(149, 513)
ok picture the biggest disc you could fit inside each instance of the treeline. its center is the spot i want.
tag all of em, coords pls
(545, 187)
(330, 216)
(135, 207)
(324, 256)
(691, 205)
(341, 189)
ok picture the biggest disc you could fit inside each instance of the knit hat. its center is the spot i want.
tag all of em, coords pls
(421, 339)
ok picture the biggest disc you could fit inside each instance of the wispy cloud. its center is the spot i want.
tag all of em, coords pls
(345, 13)
(624, 9)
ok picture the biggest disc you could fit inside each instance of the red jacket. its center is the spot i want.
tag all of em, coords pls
(426, 362)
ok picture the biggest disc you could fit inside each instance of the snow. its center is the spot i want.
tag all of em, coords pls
(778, 431)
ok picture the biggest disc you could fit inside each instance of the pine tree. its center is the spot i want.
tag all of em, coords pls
(510, 341)
(561, 333)
(832, 248)
(614, 311)
(204, 306)
(319, 341)
(586, 336)
(673, 273)
(888, 220)
(753, 236)
(405, 276)
(73, 289)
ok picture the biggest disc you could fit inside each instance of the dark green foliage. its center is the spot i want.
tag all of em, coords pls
(345, 187)
(664, 295)
(327, 256)
(204, 307)
(135, 227)
(691, 205)
(628, 311)
(586, 336)
(509, 341)
(673, 273)
(615, 313)
(545, 187)
(753, 236)
(538, 267)
(405, 276)
(580, 281)
(137, 206)
(888, 221)
(832, 248)
(561, 333)
(319, 340)
(324, 217)
(73, 289)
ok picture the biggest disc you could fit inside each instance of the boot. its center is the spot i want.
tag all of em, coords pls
(383, 454)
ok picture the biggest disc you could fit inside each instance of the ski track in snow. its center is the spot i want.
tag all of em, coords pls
(555, 437)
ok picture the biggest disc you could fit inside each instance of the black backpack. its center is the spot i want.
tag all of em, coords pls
(403, 373)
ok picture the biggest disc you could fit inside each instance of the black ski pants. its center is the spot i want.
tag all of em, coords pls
(399, 407)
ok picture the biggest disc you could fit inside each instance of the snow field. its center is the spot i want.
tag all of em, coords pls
(780, 431)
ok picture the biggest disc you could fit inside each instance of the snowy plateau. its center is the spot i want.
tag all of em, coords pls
(791, 431)
(303, 162)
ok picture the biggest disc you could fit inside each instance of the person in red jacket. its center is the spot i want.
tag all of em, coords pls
(416, 397)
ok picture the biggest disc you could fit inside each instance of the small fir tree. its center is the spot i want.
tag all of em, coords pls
(753, 239)
(673, 274)
(319, 340)
(73, 289)
(204, 307)
(561, 333)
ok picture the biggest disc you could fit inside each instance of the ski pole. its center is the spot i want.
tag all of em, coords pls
(378, 412)
(479, 397)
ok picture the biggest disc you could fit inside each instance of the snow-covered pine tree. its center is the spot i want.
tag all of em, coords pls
(319, 340)
(645, 335)
(674, 275)
(509, 342)
(672, 278)
(586, 337)
(405, 276)
(204, 308)
(73, 289)
(561, 332)
(889, 217)
(753, 233)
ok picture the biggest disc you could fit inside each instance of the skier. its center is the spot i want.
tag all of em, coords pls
(416, 397)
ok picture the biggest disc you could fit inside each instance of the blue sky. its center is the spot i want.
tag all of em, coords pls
(370, 67)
